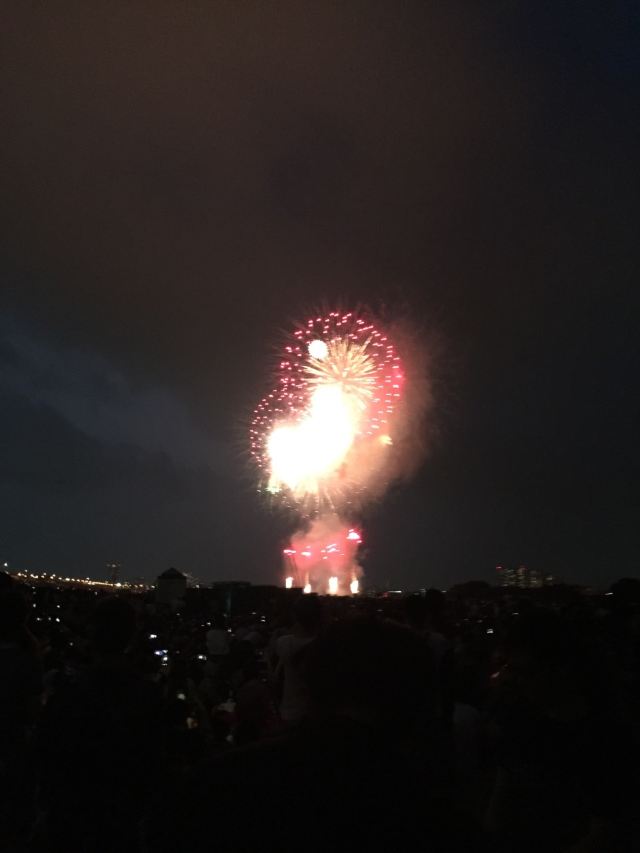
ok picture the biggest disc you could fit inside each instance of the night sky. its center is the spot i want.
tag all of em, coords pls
(182, 181)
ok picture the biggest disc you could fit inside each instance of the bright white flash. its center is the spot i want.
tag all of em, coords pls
(303, 454)
(345, 363)
(318, 349)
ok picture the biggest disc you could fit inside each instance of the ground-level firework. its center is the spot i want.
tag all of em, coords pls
(324, 440)
(324, 558)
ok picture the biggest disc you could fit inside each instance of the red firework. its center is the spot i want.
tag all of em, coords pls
(358, 356)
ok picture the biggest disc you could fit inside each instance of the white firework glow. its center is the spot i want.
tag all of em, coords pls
(342, 378)
(304, 454)
(317, 435)
(345, 364)
(318, 349)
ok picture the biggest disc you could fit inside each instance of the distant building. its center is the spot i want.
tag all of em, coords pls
(171, 587)
(507, 576)
(535, 579)
(521, 578)
(113, 571)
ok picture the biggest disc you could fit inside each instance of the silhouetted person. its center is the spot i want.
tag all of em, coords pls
(254, 710)
(561, 753)
(427, 617)
(351, 777)
(6, 582)
(435, 624)
(308, 618)
(20, 691)
(217, 639)
(102, 744)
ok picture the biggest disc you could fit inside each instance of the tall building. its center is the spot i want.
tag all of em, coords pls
(113, 571)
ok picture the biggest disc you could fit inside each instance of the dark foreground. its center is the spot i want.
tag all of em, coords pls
(421, 724)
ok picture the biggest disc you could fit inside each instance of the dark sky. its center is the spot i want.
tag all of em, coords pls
(183, 180)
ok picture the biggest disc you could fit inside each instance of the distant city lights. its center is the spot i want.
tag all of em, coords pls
(47, 578)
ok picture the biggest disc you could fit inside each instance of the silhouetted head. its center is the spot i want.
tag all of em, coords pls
(114, 625)
(13, 614)
(435, 601)
(625, 592)
(551, 661)
(415, 608)
(6, 582)
(251, 670)
(435, 606)
(377, 671)
(309, 613)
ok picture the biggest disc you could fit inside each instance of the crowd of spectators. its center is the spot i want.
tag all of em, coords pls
(427, 723)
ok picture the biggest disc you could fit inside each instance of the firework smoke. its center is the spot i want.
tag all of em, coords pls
(343, 421)
(326, 551)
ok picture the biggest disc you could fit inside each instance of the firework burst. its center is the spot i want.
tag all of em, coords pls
(317, 436)
(336, 429)
(344, 363)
